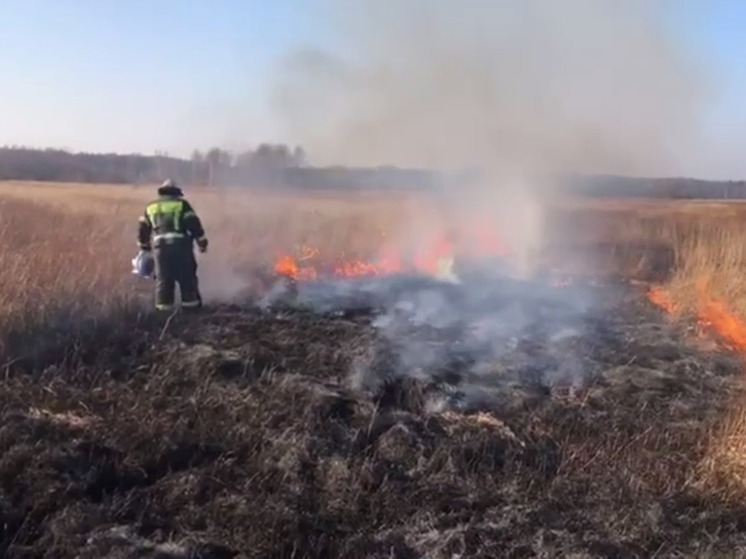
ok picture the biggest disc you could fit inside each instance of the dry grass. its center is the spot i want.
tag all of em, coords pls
(251, 228)
(706, 242)
(54, 260)
(66, 253)
(66, 248)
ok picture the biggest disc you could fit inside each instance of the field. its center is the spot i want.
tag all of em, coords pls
(593, 412)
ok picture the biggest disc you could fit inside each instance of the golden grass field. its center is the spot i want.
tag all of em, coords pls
(66, 251)
(68, 246)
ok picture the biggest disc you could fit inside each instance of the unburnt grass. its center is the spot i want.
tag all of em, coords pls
(242, 432)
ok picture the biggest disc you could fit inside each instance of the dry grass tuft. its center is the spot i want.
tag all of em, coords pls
(722, 471)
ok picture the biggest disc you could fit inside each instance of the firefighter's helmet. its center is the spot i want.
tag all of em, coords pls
(169, 188)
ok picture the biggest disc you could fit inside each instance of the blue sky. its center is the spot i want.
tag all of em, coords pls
(142, 75)
(712, 32)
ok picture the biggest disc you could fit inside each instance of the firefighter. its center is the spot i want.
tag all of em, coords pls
(175, 228)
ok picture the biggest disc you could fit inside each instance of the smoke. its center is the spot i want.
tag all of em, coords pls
(485, 341)
(220, 282)
(515, 87)
(230, 219)
(522, 91)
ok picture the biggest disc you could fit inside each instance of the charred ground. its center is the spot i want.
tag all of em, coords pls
(245, 432)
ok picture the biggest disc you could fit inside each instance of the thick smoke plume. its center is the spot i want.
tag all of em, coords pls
(521, 91)
(518, 87)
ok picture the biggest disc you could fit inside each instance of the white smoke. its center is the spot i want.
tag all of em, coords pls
(469, 331)
(514, 87)
(522, 90)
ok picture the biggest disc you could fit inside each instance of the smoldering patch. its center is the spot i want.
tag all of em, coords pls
(487, 342)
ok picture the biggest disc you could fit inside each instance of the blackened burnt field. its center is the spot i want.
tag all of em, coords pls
(397, 419)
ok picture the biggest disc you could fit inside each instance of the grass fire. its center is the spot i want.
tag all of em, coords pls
(435, 256)
(402, 399)
(454, 280)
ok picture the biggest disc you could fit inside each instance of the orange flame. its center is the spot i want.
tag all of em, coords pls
(731, 328)
(287, 266)
(660, 297)
(711, 314)
(429, 259)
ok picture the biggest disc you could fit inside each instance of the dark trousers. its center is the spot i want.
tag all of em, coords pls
(176, 264)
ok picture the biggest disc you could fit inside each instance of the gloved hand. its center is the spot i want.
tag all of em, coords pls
(202, 245)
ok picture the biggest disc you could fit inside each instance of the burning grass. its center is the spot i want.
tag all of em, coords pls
(703, 283)
(246, 432)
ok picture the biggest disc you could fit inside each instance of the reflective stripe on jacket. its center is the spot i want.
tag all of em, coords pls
(169, 219)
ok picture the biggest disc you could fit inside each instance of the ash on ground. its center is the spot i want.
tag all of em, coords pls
(483, 343)
(393, 431)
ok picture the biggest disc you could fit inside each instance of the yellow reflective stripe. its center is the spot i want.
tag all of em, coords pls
(164, 307)
(190, 214)
(164, 206)
(190, 304)
(160, 207)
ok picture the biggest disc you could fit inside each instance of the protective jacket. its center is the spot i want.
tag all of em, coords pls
(171, 220)
(174, 226)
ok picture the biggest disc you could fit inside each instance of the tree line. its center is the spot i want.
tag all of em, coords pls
(613, 186)
(279, 166)
(269, 165)
(204, 167)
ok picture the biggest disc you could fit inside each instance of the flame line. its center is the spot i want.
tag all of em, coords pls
(712, 314)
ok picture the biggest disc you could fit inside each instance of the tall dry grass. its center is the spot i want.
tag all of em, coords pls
(706, 283)
(65, 252)
(54, 260)
(68, 246)
(66, 249)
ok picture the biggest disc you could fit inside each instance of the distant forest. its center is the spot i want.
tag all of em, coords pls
(268, 166)
(282, 167)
